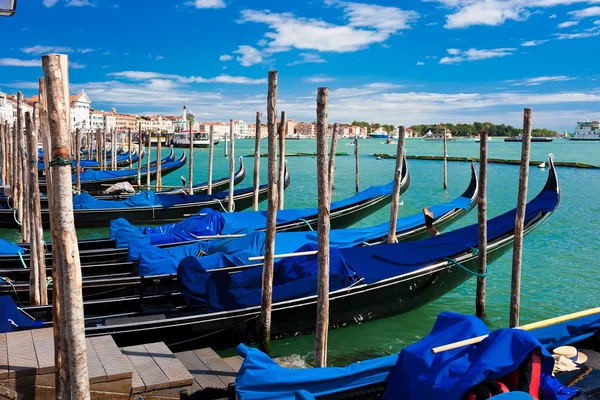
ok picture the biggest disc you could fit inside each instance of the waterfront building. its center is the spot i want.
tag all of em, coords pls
(307, 129)
(80, 111)
(6, 109)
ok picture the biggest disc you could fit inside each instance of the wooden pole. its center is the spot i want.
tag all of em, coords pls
(256, 180)
(45, 135)
(482, 222)
(282, 133)
(104, 150)
(356, 161)
(191, 183)
(158, 164)
(71, 363)
(78, 160)
(13, 162)
(90, 145)
(445, 162)
(397, 184)
(148, 175)
(129, 149)
(140, 159)
(2, 160)
(267, 277)
(5, 161)
(334, 134)
(211, 151)
(515, 289)
(113, 149)
(21, 168)
(324, 190)
(225, 147)
(231, 167)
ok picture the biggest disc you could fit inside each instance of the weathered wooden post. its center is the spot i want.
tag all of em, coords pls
(104, 150)
(211, 151)
(482, 222)
(281, 182)
(323, 230)
(397, 184)
(356, 161)
(3, 162)
(256, 180)
(445, 162)
(225, 150)
(191, 183)
(158, 164)
(129, 148)
(45, 135)
(334, 134)
(140, 155)
(148, 164)
(113, 149)
(71, 360)
(12, 132)
(231, 167)
(90, 145)
(515, 288)
(21, 175)
(78, 160)
(267, 276)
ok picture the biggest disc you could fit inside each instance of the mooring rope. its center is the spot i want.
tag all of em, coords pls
(307, 223)
(450, 260)
(22, 261)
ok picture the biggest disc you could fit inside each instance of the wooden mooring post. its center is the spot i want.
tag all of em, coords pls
(256, 180)
(12, 155)
(2, 151)
(104, 150)
(148, 163)
(281, 181)
(397, 184)
(113, 149)
(158, 163)
(445, 162)
(45, 136)
(268, 265)
(515, 288)
(480, 296)
(78, 160)
(324, 191)
(230, 204)
(356, 161)
(129, 149)
(21, 171)
(211, 151)
(72, 379)
(334, 134)
(191, 182)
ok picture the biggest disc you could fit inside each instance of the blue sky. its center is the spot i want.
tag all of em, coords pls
(401, 62)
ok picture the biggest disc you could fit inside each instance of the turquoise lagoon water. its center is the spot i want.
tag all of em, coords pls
(561, 258)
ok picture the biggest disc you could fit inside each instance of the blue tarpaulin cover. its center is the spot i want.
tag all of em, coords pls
(9, 312)
(567, 333)
(9, 249)
(293, 278)
(415, 374)
(86, 201)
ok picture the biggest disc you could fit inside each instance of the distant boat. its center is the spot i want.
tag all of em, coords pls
(533, 139)
(542, 165)
(438, 137)
(588, 130)
(182, 139)
(379, 136)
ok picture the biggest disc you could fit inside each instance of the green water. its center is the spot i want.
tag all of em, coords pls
(560, 257)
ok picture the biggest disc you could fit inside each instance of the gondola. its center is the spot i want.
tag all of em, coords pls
(93, 180)
(521, 359)
(344, 213)
(124, 277)
(366, 283)
(122, 161)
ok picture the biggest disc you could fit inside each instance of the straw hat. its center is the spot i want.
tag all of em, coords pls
(563, 364)
(571, 353)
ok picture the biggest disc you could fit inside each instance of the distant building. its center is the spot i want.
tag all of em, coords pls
(220, 129)
(80, 111)
(264, 130)
(306, 129)
(6, 109)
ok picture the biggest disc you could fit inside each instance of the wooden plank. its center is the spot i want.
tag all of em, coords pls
(43, 341)
(203, 376)
(21, 354)
(169, 364)
(216, 364)
(115, 364)
(154, 378)
(137, 384)
(96, 371)
(3, 357)
(234, 362)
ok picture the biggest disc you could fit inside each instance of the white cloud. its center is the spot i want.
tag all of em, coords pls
(178, 79)
(592, 32)
(106, 53)
(15, 62)
(552, 16)
(465, 13)
(225, 57)
(318, 79)
(158, 58)
(568, 24)
(586, 12)
(308, 58)
(248, 56)
(84, 51)
(540, 80)
(420, 63)
(531, 43)
(458, 56)
(76, 65)
(366, 24)
(50, 3)
(79, 3)
(38, 49)
(262, 42)
(206, 3)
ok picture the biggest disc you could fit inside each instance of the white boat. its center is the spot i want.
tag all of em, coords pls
(588, 130)
(438, 137)
(182, 139)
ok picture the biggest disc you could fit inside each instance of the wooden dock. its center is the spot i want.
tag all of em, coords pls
(149, 371)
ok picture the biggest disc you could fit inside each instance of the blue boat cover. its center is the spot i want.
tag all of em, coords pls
(415, 374)
(9, 249)
(384, 261)
(567, 333)
(11, 316)
(85, 201)
(293, 278)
